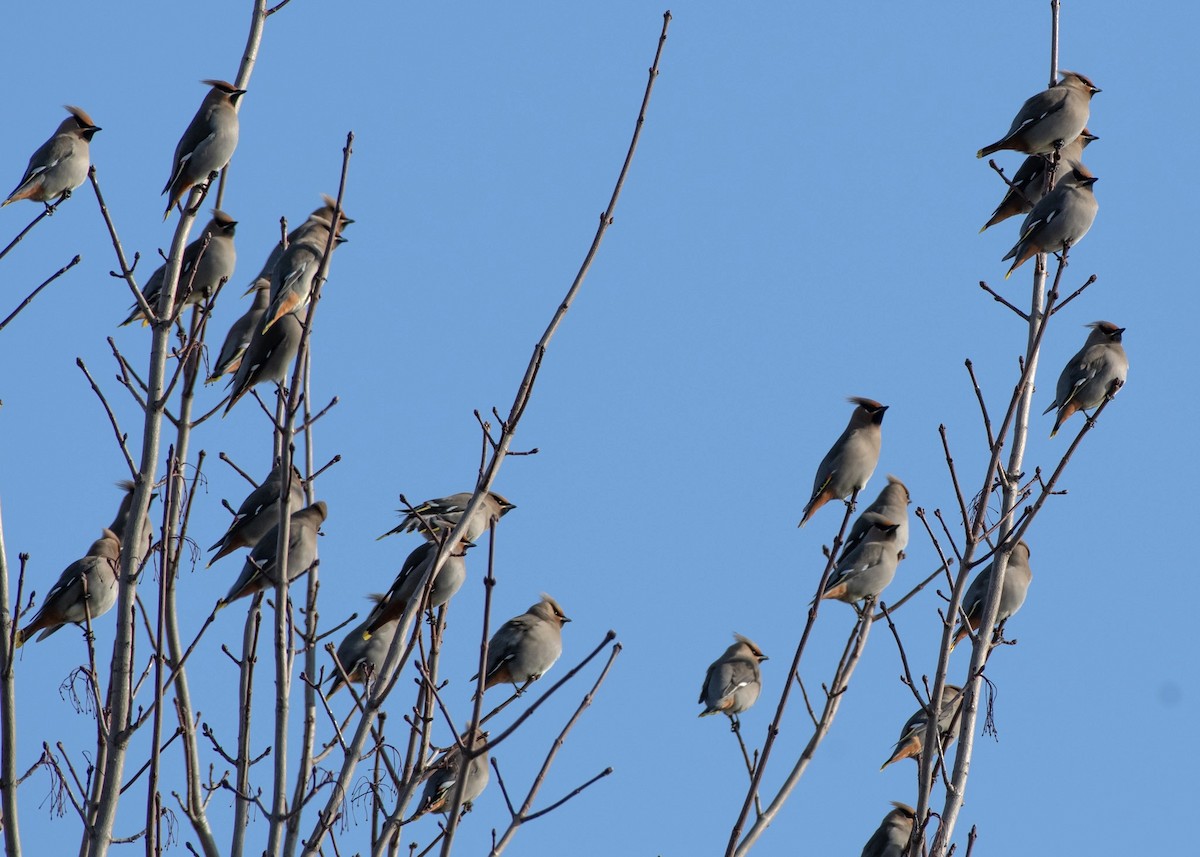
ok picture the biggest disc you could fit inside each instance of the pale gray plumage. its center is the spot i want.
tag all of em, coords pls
(259, 512)
(86, 587)
(207, 144)
(734, 680)
(268, 357)
(240, 333)
(442, 514)
(319, 219)
(851, 460)
(892, 836)
(1017, 576)
(867, 570)
(118, 525)
(1029, 181)
(361, 653)
(912, 733)
(1060, 219)
(438, 795)
(294, 276)
(206, 263)
(1050, 119)
(891, 506)
(526, 646)
(60, 164)
(1088, 376)
(260, 569)
(446, 583)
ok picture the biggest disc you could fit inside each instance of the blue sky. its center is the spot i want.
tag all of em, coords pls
(799, 226)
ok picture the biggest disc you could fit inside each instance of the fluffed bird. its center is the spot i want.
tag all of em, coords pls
(60, 164)
(1087, 377)
(87, 587)
(912, 733)
(892, 506)
(1029, 181)
(1050, 119)
(733, 681)
(446, 583)
(851, 460)
(362, 654)
(261, 566)
(1017, 576)
(267, 358)
(526, 646)
(893, 834)
(1059, 220)
(294, 276)
(867, 570)
(240, 333)
(443, 514)
(259, 512)
(206, 262)
(207, 144)
(439, 788)
(320, 218)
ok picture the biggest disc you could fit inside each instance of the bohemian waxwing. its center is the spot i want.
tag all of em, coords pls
(439, 788)
(240, 333)
(207, 144)
(734, 680)
(867, 570)
(891, 505)
(87, 587)
(60, 164)
(446, 584)
(526, 646)
(1017, 576)
(912, 733)
(294, 276)
(1050, 119)
(260, 569)
(852, 459)
(361, 653)
(268, 358)
(1029, 181)
(1087, 377)
(894, 832)
(443, 514)
(1060, 219)
(259, 512)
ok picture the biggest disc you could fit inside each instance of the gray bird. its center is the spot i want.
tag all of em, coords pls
(892, 506)
(733, 681)
(240, 333)
(1050, 119)
(439, 788)
(207, 144)
(260, 569)
(1017, 576)
(442, 515)
(86, 587)
(259, 512)
(1029, 181)
(1059, 220)
(118, 525)
(526, 646)
(867, 570)
(60, 164)
(1087, 377)
(445, 585)
(268, 358)
(851, 460)
(912, 733)
(361, 653)
(894, 832)
(294, 276)
(207, 261)
(319, 219)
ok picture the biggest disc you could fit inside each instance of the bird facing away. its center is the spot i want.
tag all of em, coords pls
(267, 359)
(1050, 119)
(87, 587)
(60, 164)
(1029, 181)
(439, 788)
(446, 583)
(867, 570)
(526, 646)
(852, 458)
(912, 733)
(118, 525)
(260, 569)
(207, 261)
(1087, 377)
(240, 333)
(893, 834)
(362, 654)
(733, 681)
(434, 517)
(1017, 576)
(1059, 220)
(207, 144)
(258, 513)
(891, 505)
(294, 276)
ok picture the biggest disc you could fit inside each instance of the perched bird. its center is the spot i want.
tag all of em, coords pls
(118, 525)
(1087, 377)
(294, 276)
(60, 164)
(1050, 119)
(361, 653)
(439, 788)
(240, 333)
(912, 733)
(891, 505)
(733, 681)
(1029, 181)
(1017, 576)
(446, 583)
(207, 261)
(87, 587)
(852, 459)
(319, 219)
(443, 514)
(526, 646)
(894, 832)
(259, 512)
(867, 570)
(260, 569)
(1059, 220)
(207, 144)
(267, 359)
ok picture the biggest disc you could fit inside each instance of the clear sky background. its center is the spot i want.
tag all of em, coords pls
(799, 226)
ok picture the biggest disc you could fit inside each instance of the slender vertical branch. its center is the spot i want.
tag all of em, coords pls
(8, 714)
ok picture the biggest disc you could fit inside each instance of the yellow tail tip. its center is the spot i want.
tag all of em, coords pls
(979, 153)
